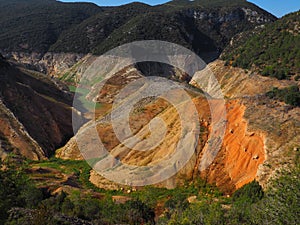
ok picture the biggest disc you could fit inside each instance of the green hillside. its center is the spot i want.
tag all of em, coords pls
(201, 26)
(273, 50)
(87, 35)
(34, 25)
(48, 25)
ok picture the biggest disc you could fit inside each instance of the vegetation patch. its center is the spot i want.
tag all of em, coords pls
(192, 203)
(289, 95)
(273, 50)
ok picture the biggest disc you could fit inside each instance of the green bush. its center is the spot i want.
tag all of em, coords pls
(289, 95)
(250, 193)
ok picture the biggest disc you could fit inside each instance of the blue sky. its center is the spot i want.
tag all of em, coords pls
(276, 7)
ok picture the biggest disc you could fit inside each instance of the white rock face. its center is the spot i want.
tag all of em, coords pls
(251, 15)
(49, 63)
(254, 17)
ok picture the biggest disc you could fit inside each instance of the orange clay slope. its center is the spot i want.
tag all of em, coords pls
(241, 154)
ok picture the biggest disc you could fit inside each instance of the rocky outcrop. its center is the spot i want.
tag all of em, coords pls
(49, 63)
(254, 16)
(227, 15)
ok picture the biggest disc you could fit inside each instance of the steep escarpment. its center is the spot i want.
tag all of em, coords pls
(36, 111)
(255, 146)
(41, 107)
(275, 122)
(261, 136)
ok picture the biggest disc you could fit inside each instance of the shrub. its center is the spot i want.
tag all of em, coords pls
(251, 193)
(289, 95)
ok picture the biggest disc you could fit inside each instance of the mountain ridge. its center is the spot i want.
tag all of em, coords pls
(196, 23)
